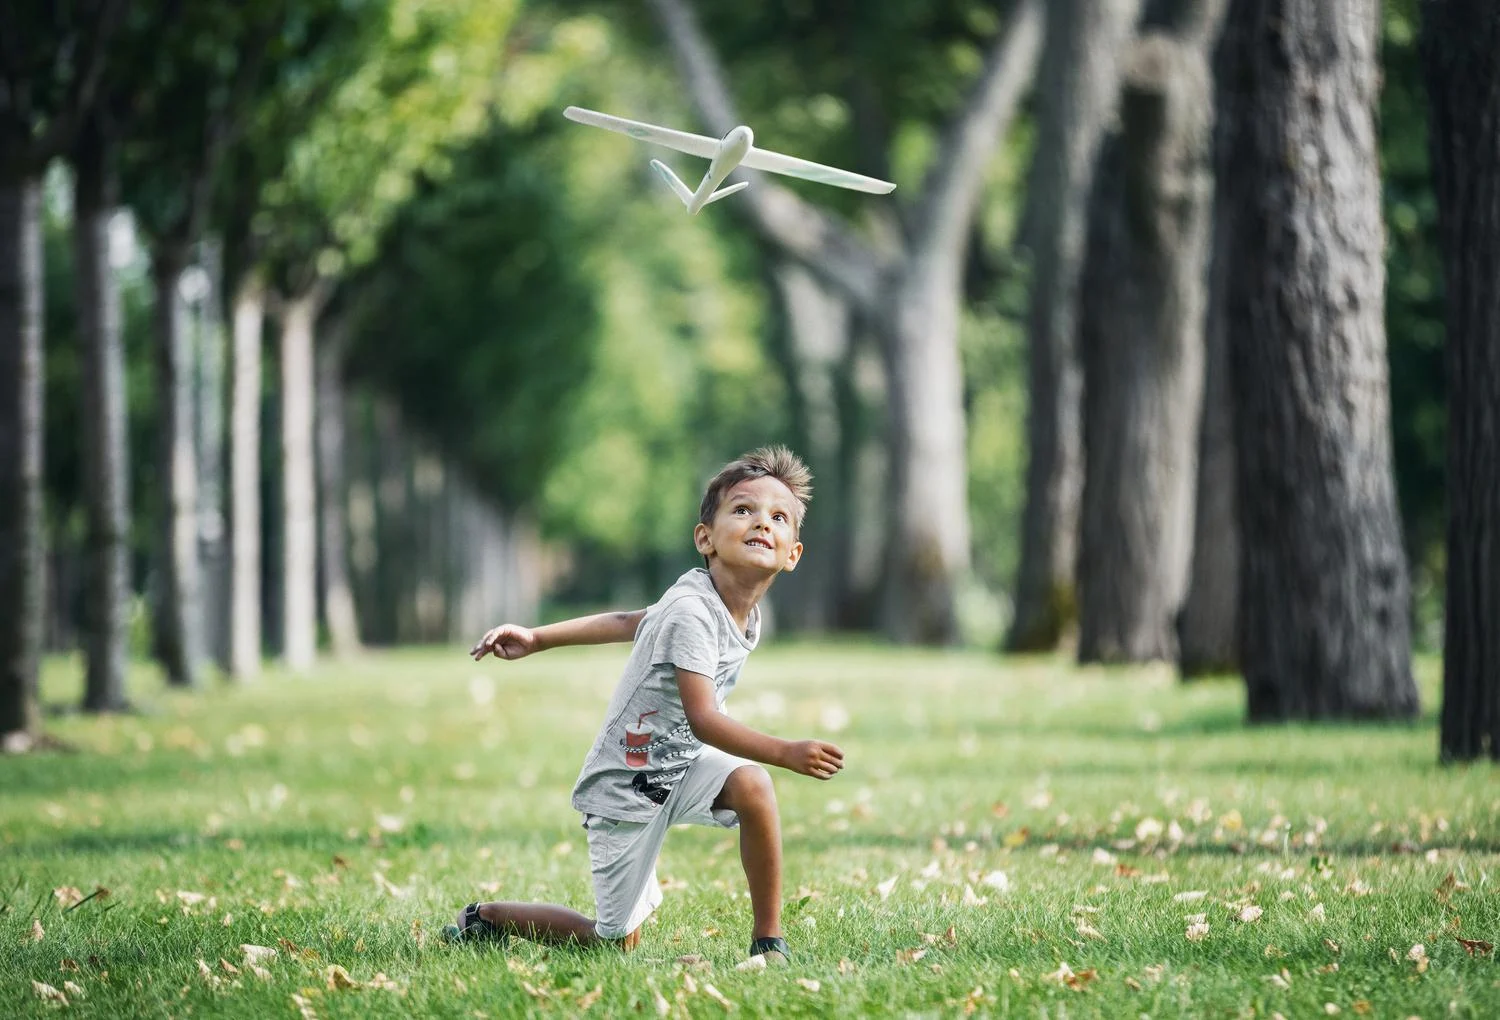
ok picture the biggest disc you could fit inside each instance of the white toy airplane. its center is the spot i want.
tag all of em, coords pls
(734, 149)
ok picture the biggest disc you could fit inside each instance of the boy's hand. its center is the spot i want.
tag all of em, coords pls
(816, 758)
(507, 641)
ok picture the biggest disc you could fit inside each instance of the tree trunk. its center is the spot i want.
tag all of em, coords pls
(1460, 40)
(179, 614)
(1325, 614)
(1141, 335)
(814, 338)
(338, 597)
(914, 294)
(1208, 626)
(1077, 86)
(298, 487)
(244, 479)
(21, 597)
(209, 342)
(107, 584)
(927, 548)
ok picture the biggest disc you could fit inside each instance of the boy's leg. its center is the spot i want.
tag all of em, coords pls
(749, 793)
(548, 923)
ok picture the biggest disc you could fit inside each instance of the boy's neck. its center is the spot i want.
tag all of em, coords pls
(740, 594)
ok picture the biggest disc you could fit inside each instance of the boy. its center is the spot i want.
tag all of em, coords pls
(666, 753)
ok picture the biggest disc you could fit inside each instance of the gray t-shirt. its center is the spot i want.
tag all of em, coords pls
(646, 744)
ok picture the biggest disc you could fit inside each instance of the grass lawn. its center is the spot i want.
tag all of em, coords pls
(1009, 837)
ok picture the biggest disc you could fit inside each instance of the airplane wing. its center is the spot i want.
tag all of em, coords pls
(765, 159)
(682, 141)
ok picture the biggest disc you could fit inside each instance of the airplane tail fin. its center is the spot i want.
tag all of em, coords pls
(682, 191)
(726, 192)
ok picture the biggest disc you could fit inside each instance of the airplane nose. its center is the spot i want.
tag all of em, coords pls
(743, 135)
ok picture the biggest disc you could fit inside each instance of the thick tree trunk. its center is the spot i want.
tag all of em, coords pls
(298, 486)
(1078, 82)
(338, 597)
(244, 479)
(814, 340)
(1460, 43)
(928, 546)
(21, 597)
(1141, 335)
(213, 533)
(179, 614)
(1208, 626)
(107, 584)
(1325, 614)
(913, 294)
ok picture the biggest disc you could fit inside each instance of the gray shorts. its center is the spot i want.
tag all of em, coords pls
(623, 854)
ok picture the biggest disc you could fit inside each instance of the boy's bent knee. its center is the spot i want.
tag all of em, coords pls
(747, 788)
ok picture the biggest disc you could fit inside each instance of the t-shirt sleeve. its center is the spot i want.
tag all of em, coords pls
(688, 638)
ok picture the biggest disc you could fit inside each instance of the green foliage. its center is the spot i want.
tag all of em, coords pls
(1014, 804)
(474, 318)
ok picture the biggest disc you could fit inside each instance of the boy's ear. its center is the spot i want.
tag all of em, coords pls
(702, 541)
(794, 555)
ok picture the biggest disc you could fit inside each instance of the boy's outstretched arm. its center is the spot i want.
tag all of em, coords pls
(816, 758)
(512, 641)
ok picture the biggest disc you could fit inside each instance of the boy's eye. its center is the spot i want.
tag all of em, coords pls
(779, 517)
(742, 509)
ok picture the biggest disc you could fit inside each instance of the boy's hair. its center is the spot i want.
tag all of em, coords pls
(767, 462)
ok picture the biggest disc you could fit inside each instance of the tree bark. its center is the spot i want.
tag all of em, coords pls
(1460, 40)
(21, 597)
(1141, 335)
(914, 295)
(814, 339)
(179, 615)
(338, 596)
(299, 499)
(244, 479)
(107, 584)
(210, 345)
(1325, 614)
(1077, 86)
(1208, 626)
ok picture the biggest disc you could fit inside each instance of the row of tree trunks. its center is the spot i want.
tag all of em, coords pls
(1140, 329)
(179, 612)
(107, 582)
(1461, 40)
(248, 317)
(1324, 600)
(1077, 86)
(213, 530)
(338, 597)
(20, 456)
(299, 569)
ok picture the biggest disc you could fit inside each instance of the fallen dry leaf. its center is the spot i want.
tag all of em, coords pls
(810, 984)
(70, 965)
(1474, 946)
(714, 994)
(48, 994)
(753, 963)
(1192, 896)
(258, 954)
(381, 983)
(227, 967)
(67, 896)
(1088, 931)
(1133, 984)
(1197, 932)
(37, 931)
(304, 1007)
(589, 998)
(74, 990)
(1250, 914)
(338, 978)
(884, 888)
(846, 966)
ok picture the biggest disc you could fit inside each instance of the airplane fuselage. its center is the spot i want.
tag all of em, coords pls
(732, 148)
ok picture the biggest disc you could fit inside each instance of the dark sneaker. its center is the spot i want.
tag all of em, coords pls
(470, 927)
(773, 948)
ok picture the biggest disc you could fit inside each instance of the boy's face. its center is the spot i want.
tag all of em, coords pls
(754, 528)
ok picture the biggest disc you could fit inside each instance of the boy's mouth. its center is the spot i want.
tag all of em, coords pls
(762, 543)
